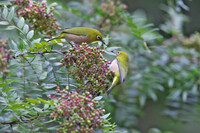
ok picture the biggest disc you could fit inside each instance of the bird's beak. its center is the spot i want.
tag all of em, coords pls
(103, 42)
(114, 51)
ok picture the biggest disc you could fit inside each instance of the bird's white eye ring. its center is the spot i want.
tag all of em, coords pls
(98, 37)
(118, 52)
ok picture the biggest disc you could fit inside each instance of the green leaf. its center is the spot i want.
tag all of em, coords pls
(16, 106)
(50, 69)
(10, 27)
(44, 43)
(105, 116)
(57, 41)
(36, 40)
(98, 98)
(194, 89)
(184, 96)
(9, 81)
(3, 100)
(17, 53)
(13, 45)
(44, 101)
(53, 128)
(48, 10)
(13, 117)
(38, 110)
(43, 75)
(34, 49)
(174, 94)
(53, 4)
(5, 2)
(57, 64)
(5, 12)
(182, 4)
(147, 25)
(33, 101)
(48, 121)
(4, 23)
(152, 95)
(20, 24)
(11, 14)
(38, 45)
(30, 34)
(154, 130)
(21, 45)
(23, 129)
(7, 89)
(142, 100)
(25, 28)
(49, 86)
(130, 22)
(26, 104)
(46, 106)
(171, 82)
(137, 36)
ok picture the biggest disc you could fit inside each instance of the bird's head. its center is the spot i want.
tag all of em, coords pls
(96, 36)
(121, 55)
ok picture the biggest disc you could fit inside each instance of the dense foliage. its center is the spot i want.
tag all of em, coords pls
(54, 87)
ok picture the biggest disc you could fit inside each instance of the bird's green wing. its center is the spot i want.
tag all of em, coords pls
(79, 31)
(120, 72)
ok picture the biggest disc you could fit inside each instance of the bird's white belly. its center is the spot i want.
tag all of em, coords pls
(114, 66)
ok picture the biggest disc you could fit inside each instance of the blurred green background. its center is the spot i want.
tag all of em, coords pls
(153, 9)
(153, 113)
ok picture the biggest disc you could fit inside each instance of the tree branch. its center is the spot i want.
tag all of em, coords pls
(18, 121)
(103, 21)
(41, 53)
(23, 120)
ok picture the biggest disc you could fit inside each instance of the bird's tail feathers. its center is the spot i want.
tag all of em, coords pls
(61, 36)
(110, 89)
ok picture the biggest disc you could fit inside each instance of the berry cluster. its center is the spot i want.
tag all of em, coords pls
(4, 56)
(193, 41)
(80, 112)
(90, 69)
(113, 10)
(39, 15)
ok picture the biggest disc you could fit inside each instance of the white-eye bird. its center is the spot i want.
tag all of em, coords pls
(79, 35)
(120, 68)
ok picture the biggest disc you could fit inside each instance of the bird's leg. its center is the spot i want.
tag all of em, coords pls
(73, 44)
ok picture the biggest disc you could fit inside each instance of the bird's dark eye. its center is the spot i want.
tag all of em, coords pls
(98, 37)
(118, 52)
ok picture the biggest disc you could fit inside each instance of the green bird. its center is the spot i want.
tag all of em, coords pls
(120, 68)
(79, 35)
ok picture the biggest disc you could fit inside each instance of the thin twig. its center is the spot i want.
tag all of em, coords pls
(33, 70)
(103, 21)
(41, 53)
(11, 128)
(106, 17)
(18, 121)
(23, 120)
(24, 79)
